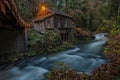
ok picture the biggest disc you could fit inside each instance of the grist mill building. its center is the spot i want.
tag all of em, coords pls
(51, 19)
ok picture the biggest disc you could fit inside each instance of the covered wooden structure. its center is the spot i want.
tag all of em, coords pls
(51, 19)
(13, 29)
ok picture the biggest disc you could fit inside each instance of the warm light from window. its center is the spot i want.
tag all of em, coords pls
(43, 7)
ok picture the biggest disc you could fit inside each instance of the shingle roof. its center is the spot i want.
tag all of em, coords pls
(54, 12)
(60, 13)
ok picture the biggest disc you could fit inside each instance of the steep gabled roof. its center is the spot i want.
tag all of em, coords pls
(9, 14)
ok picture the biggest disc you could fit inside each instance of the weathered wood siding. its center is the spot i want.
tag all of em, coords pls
(41, 26)
(63, 22)
(65, 26)
(11, 41)
(49, 22)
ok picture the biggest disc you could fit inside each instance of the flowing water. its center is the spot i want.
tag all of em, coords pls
(84, 58)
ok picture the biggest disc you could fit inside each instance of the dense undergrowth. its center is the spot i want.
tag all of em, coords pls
(47, 43)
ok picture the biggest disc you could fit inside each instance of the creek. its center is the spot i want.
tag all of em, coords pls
(85, 57)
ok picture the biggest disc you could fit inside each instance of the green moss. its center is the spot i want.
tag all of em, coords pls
(106, 50)
(117, 51)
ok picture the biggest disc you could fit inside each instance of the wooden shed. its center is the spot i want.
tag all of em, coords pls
(52, 19)
(13, 29)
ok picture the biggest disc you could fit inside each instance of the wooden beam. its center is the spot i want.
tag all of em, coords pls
(12, 10)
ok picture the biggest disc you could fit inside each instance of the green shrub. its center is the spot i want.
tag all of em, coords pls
(41, 44)
(115, 30)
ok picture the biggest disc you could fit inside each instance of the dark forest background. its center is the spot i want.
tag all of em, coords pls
(88, 14)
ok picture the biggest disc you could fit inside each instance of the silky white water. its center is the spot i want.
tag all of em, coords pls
(84, 58)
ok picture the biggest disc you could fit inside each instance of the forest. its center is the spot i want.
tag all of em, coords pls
(59, 39)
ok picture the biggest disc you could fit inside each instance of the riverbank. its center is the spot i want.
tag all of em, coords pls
(47, 44)
(107, 71)
(15, 57)
(110, 70)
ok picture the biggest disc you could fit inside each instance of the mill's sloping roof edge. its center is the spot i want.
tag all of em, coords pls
(54, 12)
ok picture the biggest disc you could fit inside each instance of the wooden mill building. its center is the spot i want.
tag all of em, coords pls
(51, 19)
(13, 34)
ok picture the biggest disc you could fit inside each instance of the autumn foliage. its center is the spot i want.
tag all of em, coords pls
(110, 70)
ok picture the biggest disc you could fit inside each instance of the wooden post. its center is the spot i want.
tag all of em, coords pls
(26, 38)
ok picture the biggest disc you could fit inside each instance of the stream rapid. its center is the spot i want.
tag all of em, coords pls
(85, 57)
